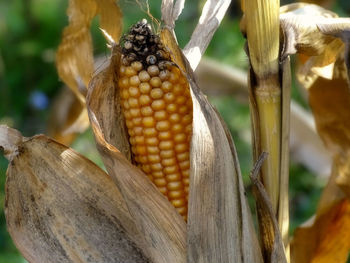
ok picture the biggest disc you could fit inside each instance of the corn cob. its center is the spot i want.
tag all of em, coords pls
(157, 106)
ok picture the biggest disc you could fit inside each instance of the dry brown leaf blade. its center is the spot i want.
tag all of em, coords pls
(74, 59)
(300, 31)
(161, 227)
(329, 97)
(61, 207)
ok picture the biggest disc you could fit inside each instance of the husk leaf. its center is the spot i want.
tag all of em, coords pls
(61, 207)
(220, 227)
(160, 226)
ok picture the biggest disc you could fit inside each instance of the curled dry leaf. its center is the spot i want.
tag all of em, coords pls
(74, 59)
(161, 227)
(60, 207)
(329, 97)
(301, 25)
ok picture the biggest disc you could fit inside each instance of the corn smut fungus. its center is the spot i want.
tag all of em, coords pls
(157, 106)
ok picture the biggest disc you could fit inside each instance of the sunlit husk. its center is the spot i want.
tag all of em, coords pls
(220, 227)
(60, 207)
(161, 227)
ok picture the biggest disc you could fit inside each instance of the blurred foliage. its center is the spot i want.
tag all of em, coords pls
(30, 32)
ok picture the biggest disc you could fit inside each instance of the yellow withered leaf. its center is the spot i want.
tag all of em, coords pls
(61, 207)
(74, 59)
(326, 237)
(162, 228)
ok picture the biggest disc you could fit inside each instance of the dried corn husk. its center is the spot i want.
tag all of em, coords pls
(60, 207)
(220, 227)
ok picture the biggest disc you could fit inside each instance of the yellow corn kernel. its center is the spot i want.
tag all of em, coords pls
(157, 106)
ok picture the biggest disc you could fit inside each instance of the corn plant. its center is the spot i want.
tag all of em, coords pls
(173, 190)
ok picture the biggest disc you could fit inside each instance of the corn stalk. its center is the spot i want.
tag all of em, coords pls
(270, 112)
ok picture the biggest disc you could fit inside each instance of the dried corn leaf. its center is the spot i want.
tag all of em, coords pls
(300, 31)
(326, 237)
(326, 78)
(111, 18)
(171, 11)
(211, 17)
(162, 228)
(60, 207)
(301, 25)
(74, 60)
(74, 55)
(68, 117)
(220, 227)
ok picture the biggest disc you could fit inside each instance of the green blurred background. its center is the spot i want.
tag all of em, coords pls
(30, 32)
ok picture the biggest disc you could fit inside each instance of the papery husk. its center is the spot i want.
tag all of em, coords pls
(68, 117)
(160, 226)
(220, 227)
(61, 207)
